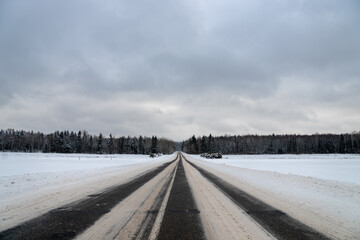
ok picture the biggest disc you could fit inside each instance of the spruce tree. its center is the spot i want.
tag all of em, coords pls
(342, 144)
(111, 144)
(99, 148)
(154, 144)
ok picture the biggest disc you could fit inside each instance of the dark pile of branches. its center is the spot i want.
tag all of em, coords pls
(211, 155)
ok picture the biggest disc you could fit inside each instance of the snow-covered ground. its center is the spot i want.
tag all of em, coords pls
(23, 172)
(322, 191)
(33, 183)
(338, 167)
(29, 163)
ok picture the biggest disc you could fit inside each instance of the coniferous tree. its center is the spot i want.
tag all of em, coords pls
(203, 145)
(111, 144)
(141, 145)
(120, 145)
(78, 144)
(342, 144)
(99, 148)
(194, 148)
(210, 144)
(154, 148)
(91, 144)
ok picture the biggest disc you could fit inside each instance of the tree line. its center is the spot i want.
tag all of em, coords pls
(81, 142)
(274, 144)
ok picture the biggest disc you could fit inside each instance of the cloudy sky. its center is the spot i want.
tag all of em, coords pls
(178, 68)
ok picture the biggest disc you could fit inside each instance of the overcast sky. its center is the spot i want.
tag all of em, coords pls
(178, 68)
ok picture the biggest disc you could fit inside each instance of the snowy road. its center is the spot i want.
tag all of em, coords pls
(180, 197)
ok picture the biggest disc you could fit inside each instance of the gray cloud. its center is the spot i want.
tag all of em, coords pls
(177, 68)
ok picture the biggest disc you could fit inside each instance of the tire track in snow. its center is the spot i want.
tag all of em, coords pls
(181, 219)
(273, 220)
(149, 222)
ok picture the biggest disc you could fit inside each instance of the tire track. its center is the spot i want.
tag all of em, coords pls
(273, 220)
(145, 228)
(181, 219)
(220, 216)
(68, 221)
(157, 224)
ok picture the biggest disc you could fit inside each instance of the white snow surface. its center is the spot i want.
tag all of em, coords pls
(23, 172)
(322, 191)
(29, 163)
(338, 167)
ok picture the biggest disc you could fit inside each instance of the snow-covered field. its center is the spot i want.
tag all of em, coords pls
(338, 167)
(29, 163)
(23, 172)
(322, 191)
(33, 183)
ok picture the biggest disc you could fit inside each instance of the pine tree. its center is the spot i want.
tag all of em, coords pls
(342, 144)
(141, 145)
(211, 144)
(203, 145)
(78, 144)
(194, 148)
(111, 144)
(154, 148)
(99, 148)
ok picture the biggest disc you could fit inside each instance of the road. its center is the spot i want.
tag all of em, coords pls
(177, 200)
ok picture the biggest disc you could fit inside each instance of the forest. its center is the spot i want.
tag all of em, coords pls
(274, 144)
(82, 142)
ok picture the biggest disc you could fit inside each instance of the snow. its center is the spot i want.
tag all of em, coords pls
(322, 191)
(338, 167)
(22, 172)
(36, 182)
(29, 163)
